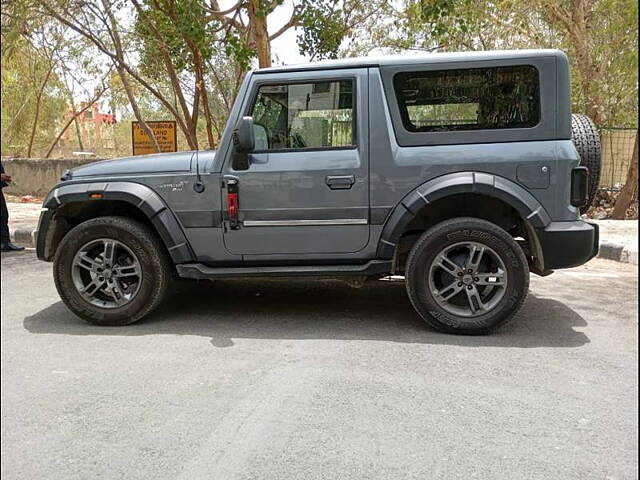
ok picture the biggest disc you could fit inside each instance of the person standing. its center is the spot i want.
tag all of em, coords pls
(6, 245)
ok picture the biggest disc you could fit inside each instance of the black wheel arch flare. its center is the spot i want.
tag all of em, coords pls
(494, 186)
(140, 196)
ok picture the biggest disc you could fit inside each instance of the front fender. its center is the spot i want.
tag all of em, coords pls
(140, 196)
(452, 184)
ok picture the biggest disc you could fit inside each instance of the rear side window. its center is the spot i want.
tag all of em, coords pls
(304, 115)
(469, 99)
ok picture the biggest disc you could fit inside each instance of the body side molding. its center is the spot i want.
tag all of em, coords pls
(456, 183)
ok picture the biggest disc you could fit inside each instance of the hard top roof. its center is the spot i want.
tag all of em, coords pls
(394, 60)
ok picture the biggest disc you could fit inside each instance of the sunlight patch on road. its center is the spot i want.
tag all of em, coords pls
(591, 274)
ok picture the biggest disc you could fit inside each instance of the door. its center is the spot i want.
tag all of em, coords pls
(306, 189)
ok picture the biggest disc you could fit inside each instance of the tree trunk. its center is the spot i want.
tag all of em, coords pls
(258, 32)
(75, 121)
(135, 108)
(201, 87)
(78, 133)
(630, 187)
(36, 118)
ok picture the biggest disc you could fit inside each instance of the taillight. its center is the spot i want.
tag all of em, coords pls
(580, 187)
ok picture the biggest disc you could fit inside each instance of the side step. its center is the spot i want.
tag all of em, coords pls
(201, 271)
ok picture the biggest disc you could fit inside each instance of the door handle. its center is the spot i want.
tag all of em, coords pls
(340, 182)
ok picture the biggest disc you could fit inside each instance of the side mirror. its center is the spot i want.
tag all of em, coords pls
(244, 140)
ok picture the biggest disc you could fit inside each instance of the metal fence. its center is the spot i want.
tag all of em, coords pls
(617, 150)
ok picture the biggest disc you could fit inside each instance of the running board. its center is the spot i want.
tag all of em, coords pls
(201, 271)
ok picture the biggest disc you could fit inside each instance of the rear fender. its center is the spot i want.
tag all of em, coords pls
(529, 209)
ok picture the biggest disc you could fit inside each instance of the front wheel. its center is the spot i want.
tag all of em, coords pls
(111, 270)
(466, 276)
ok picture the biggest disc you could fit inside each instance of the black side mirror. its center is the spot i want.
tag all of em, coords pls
(243, 136)
(244, 142)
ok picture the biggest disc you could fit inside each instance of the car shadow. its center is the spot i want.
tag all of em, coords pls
(279, 309)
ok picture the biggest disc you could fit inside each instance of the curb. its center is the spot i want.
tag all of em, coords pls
(26, 238)
(608, 251)
(618, 253)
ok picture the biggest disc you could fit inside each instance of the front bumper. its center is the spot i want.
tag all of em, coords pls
(568, 244)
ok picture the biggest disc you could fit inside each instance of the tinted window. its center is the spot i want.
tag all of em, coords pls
(468, 99)
(304, 115)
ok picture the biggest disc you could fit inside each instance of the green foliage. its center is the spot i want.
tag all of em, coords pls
(237, 48)
(323, 29)
(614, 46)
(21, 76)
(178, 24)
(604, 82)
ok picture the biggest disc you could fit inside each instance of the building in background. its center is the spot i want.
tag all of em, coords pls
(91, 131)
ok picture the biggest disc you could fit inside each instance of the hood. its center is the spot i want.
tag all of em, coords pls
(179, 162)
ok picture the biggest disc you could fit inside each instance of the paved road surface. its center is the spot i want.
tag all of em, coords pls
(277, 380)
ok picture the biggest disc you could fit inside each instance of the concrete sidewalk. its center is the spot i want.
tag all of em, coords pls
(23, 222)
(618, 238)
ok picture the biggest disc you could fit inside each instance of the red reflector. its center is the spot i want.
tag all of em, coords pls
(232, 204)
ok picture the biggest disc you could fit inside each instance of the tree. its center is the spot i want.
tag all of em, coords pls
(600, 37)
(99, 25)
(31, 98)
(49, 41)
(595, 32)
(176, 31)
(323, 24)
(170, 45)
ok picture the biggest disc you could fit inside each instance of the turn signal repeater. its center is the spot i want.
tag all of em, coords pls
(95, 196)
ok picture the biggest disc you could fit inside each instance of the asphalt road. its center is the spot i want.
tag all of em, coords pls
(281, 380)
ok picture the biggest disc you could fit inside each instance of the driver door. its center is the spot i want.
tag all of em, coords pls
(306, 188)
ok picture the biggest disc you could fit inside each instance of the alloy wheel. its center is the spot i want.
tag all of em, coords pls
(467, 279)
(106, 273)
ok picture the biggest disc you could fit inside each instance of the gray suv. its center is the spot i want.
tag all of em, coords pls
(460, 171)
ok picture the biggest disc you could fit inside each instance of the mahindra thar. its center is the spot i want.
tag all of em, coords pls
(462, 172)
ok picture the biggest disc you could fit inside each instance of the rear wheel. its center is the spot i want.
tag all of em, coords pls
(111, 270)
(466, 276)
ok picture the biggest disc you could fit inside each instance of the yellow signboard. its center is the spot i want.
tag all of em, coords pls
(165, 133)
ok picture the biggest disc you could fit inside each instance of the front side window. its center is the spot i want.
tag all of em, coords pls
(304, 115)
(468, 99)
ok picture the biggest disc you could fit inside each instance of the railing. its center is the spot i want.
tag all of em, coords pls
(617, 150)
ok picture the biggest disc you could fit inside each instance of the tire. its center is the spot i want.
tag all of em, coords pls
(136, 253)
(586, 138)
(427, 281)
